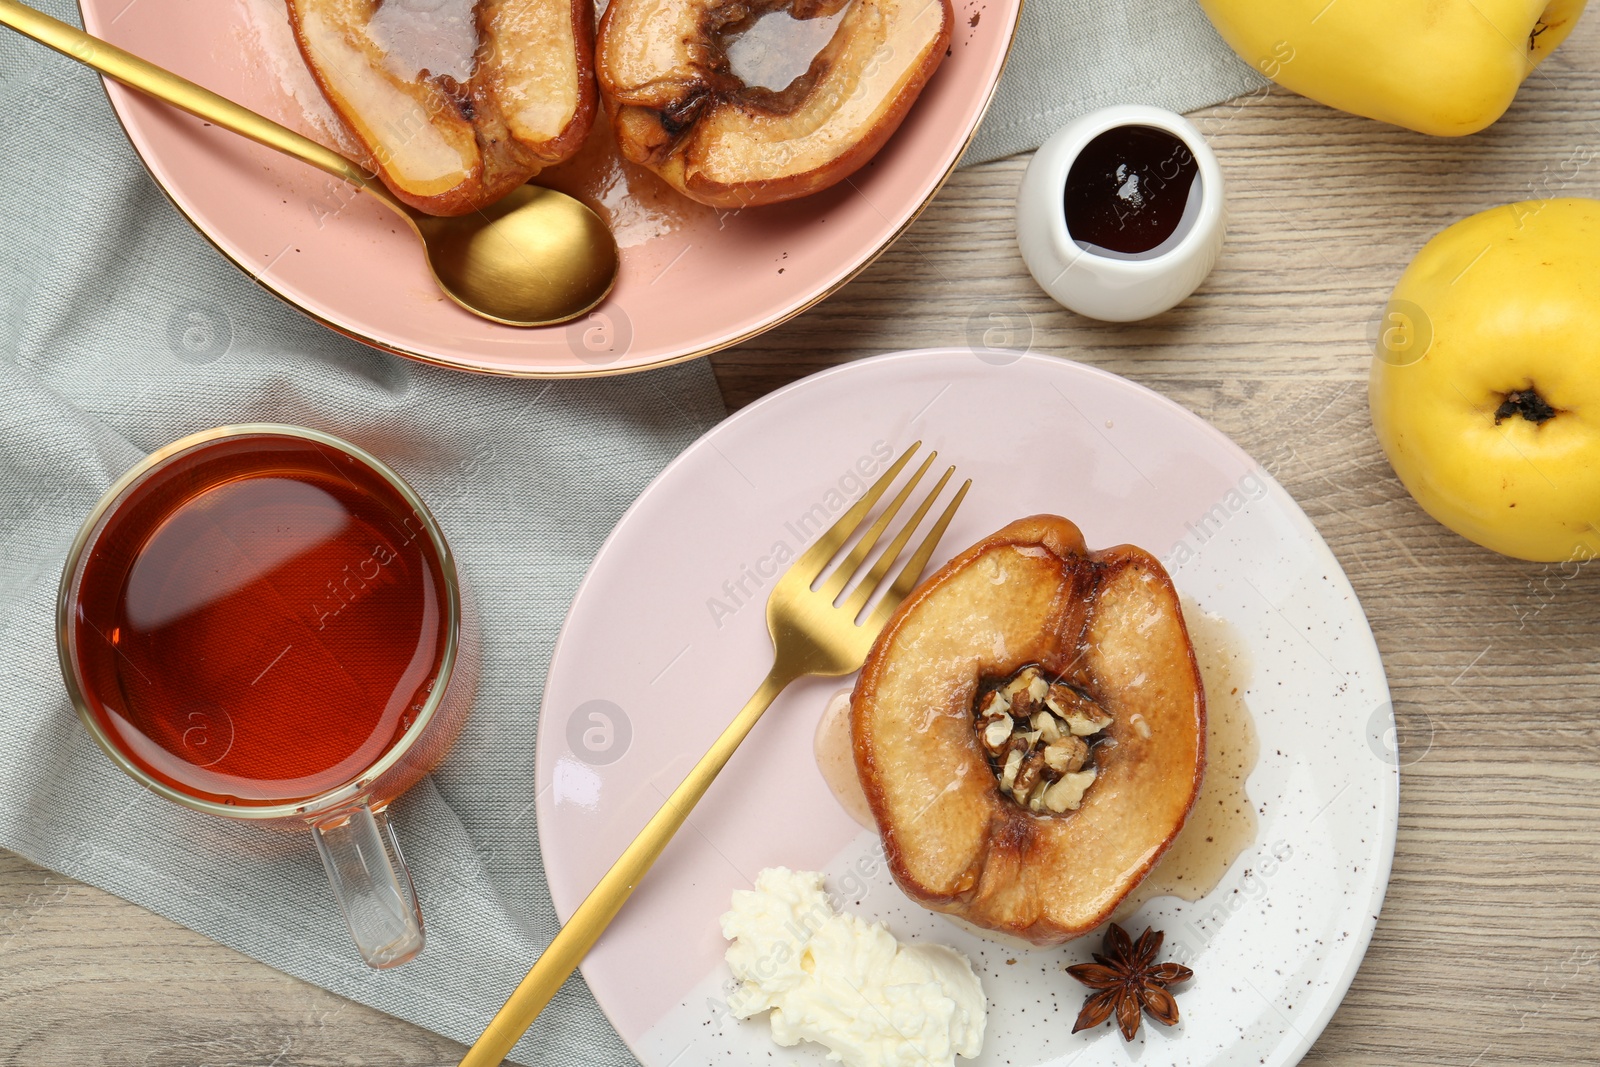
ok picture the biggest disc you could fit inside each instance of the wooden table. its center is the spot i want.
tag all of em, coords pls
(1488, 948)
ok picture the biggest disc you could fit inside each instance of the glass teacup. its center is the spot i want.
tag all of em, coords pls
(264, 622)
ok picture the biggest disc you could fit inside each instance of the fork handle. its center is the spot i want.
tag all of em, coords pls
(606, 899)
(147, 78)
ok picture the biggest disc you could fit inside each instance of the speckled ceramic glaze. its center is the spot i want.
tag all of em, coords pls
(692, 280)
(666, 640)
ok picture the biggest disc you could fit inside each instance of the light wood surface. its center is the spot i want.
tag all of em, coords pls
(1488, 948)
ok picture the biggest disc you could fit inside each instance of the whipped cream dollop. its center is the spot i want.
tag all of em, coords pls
(846, 983)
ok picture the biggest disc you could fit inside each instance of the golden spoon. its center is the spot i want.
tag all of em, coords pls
(533, 258)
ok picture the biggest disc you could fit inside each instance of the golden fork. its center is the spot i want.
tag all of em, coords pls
(810, 635)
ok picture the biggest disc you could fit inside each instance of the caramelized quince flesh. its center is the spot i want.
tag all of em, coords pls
(677, 107)
(456, 102)
(1107, 625)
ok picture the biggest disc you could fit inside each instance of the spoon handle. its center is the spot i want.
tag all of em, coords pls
(164, 85)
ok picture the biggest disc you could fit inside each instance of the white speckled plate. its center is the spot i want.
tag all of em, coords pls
(666, 640)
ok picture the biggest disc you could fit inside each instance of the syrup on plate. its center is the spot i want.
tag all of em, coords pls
(638, 206)
(1222, 824)
(837, 761)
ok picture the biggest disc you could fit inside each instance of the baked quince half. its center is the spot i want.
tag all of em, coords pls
(456, 102)
(1030, 731)
(679, 109)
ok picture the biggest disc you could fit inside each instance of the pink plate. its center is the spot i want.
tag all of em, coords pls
(667, 638)
(693, 279)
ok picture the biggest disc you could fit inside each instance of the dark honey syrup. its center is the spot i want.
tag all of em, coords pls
(1128, 189)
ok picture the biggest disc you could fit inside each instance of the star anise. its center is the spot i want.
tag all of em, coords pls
(1127, 980)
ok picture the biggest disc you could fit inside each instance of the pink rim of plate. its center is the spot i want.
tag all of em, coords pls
(349, 264)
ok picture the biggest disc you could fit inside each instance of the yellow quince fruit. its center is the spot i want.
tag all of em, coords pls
(1485, 384)
(1445, 67)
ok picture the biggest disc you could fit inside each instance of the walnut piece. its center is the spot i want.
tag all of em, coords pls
(1040, 738)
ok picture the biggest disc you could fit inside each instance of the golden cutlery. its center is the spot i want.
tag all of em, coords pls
(810, 635)
(533, 258)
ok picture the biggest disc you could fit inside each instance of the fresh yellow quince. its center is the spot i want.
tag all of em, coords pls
(1446, 67)
(1485, 386)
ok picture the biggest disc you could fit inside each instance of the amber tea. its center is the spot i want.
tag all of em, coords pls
(258, 620)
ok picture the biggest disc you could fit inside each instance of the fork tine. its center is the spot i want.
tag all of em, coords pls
(863, 592)
(811, 562)
(911, 573)
(851, 563)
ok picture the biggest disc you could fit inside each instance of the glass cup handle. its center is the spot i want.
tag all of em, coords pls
(362, 857)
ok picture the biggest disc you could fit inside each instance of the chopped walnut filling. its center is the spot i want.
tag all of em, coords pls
(1039, 738)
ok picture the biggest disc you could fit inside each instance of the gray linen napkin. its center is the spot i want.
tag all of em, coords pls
(121, 330)
(1072, 56)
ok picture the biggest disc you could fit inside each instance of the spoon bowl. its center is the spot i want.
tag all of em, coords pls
(528, 259)
(536, 257)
